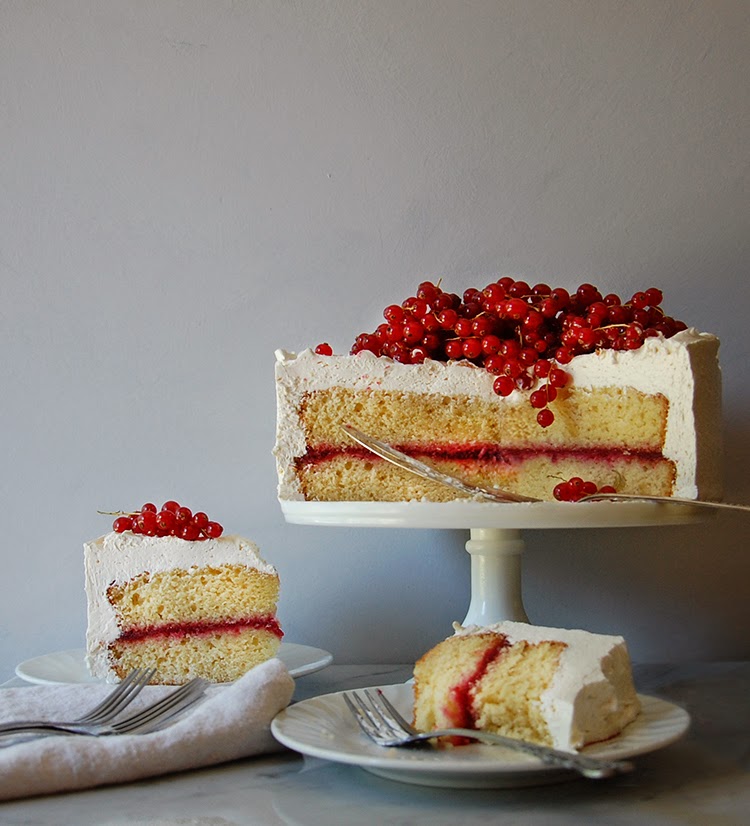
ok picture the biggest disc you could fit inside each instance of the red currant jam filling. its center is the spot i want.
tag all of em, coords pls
(461, 712)
(202, 628)
(481, 454)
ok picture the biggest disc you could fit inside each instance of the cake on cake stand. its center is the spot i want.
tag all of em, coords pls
(495, 543)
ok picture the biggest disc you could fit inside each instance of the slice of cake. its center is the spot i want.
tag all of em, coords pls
(638, 412)
(560, 688)
(203, 607)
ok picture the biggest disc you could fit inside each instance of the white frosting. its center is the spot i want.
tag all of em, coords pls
(683, 368)
(118, 557)
(592, 694)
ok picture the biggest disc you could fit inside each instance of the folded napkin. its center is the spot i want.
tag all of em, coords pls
(233, 721)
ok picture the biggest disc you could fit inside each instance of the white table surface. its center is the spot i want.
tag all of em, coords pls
(703, 779)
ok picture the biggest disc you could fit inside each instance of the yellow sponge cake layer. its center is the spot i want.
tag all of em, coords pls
(218, 655)
(353, 474)
(609, 417)
(208, 594)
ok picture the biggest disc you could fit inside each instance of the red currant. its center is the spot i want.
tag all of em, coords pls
(200, 519)
(447, 318)
(575, 489)
(146, 521)
(504, 385)
(394, 314)
(545, 417)
(454, 348)
(189, 531)
(557, 377)
(213, 530)
(472, 348)
(413, 332)
(654, 296)
(463, 328)
(171, 520)
(122, 523)
(166, 521)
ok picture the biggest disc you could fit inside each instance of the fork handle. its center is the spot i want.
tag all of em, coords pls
(593, 767)
(40, 727)
(9, 728)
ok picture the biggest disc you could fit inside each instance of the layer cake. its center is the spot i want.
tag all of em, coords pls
(204, 608)
(642, 421)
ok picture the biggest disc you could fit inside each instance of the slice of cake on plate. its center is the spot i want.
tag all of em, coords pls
(520, 388)
(557, 687)
(188, 607)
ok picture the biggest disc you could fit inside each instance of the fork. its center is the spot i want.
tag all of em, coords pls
(384, 725)
(142, 722)
(125, 692)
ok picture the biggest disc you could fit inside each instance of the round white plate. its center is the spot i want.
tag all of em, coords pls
(63, 667)
(323, 727)
(461, 513)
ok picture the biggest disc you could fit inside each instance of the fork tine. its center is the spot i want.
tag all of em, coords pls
(360, 713)
(121, 697)
(396, 719)
(118, 691)
(371, 719)
(158, 710)
(168, 714)
(389, 725)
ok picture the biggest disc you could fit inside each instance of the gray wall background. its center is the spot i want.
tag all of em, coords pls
(185, 186)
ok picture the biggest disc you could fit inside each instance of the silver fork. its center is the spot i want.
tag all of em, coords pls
(384, 725)
(142, 722)
(125, 692)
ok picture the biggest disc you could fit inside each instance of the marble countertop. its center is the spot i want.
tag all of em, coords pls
(703, 778)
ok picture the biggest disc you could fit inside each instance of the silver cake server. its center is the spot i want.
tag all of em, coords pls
(670, 500)
(402, 460)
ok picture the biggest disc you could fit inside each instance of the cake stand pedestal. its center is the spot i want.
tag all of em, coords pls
(495, 576)
(495, 543)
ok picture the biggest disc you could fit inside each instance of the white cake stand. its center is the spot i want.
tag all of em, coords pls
(496, 543)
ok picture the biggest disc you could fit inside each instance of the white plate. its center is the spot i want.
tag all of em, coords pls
(323, 727)
(63, 667)
(463, 513)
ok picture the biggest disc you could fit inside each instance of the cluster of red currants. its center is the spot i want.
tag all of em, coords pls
(172, 520)
(576, 488)
(521, 334)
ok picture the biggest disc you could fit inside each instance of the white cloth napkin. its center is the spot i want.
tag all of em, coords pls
(233, 721)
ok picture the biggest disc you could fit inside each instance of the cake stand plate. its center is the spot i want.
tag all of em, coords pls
(496, 542)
